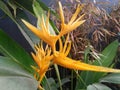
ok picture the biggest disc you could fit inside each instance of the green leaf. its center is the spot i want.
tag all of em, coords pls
(10, 48)
(63, 81)
(111, 78)
(49, 84)
(4, 8)
(39, 12)
(98, 86)
(86, 53)
(46, 8)
(108, 54)
(14, 77)
(28, 6)
(25, 5)
(89, 77)
(16, 83)
(37, 9)
(13, 6)
(10, 68)
(30, 37)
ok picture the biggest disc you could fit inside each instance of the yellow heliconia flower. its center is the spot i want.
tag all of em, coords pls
(66, 62)
(60, 58)
(42, 58)
(73, 23)
(44, 33)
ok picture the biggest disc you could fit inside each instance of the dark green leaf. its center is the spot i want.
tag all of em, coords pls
(13, 6)
(46, 8)
(98, 86)
(39, 12)
(25, 5)
(65, 80)
(49, 84)
(10, 68)
(28, 35)
(14, 77)
(28, 6)
(4, 8)
(11, 49)
(111, 78)
(17, 83)
(108, 55)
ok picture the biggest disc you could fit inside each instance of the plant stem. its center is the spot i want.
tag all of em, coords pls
(47, 83)
(58, 76)
(72, 72)
(80, 78)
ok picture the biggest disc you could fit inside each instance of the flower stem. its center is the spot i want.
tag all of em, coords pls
(58, 75)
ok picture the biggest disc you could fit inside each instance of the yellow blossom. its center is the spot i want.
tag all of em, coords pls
(60, 58)
(44, 33)
(66, 62)
(73, 23)
(42, 58)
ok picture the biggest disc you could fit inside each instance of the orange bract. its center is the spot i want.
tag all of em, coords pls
(60, 58)
(43, 33)
(73, 24)
(42, 58)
